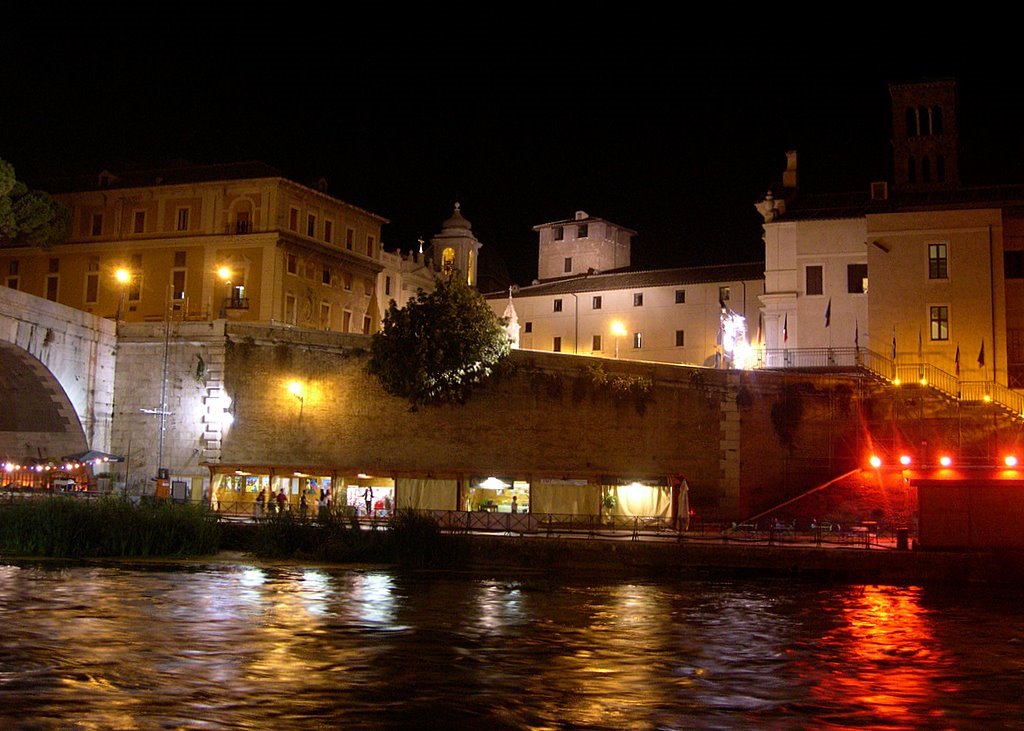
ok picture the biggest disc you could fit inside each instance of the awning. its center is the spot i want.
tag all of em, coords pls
(92, 455)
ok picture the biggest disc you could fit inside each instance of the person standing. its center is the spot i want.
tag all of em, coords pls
(260, 504)
(282, 500)
(302, 505)
(515, 504)
(368, 497)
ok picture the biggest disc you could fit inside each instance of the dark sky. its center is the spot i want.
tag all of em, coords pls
(523, 122)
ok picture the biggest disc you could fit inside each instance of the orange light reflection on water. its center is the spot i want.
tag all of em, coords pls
(884, 658)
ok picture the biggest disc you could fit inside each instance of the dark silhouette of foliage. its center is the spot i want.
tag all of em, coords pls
(440, 345)
(29, 217)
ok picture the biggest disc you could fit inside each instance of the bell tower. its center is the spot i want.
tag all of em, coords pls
(455, 248)
(925, 140)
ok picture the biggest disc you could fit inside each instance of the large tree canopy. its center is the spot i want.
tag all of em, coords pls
(29, 216)
(439, 345)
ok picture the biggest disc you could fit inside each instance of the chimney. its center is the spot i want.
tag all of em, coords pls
(789, 176)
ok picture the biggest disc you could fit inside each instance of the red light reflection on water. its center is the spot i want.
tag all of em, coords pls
(884, 659)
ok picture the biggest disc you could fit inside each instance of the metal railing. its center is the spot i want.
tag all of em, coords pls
(922, 373)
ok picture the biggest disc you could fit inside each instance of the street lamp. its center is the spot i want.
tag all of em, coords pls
(123, 277)
(618, 330)
(225, 275)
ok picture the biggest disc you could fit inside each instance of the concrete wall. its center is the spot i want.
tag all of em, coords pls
(76, 347)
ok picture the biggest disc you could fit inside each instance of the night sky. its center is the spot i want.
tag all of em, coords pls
(522, 122)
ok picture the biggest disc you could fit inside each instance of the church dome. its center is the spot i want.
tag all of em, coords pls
(457, 224)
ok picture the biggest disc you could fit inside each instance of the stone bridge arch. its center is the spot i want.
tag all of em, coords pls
(56, 378)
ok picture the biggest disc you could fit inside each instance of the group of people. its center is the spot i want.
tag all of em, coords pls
(278, 503)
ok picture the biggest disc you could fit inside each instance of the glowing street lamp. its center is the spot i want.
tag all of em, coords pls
(618, 330)
(224, 273)
(124, 278)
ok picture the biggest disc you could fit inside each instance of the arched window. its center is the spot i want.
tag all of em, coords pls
(937, 120)
(923, 123)
(469, 267)
(911, 122)
(448, 261)
(926, 170)
(940, 169)
(911, 170)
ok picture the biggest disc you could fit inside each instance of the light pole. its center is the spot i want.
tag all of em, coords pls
(225, 275)
(618, 330)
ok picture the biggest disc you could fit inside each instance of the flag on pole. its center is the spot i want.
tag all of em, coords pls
(828, 313)
(956, 360)
(981, 354)
(785, 328)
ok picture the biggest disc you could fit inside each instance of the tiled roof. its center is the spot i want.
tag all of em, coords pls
(169, 176)
(640, 279)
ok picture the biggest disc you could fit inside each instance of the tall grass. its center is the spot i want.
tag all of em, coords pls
(409, 539)
(68, 527)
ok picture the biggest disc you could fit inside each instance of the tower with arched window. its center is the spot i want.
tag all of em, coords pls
(924, 135)
(455, 248)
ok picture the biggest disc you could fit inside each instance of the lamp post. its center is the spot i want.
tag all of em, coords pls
(298, 390)
(618, 330)
(225, 275)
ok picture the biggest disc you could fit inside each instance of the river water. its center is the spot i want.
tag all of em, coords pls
(226, 645)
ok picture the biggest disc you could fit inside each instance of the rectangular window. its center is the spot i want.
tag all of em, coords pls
(938, 263)
(557, 233)
(325, 316)
(92, 288)
(1013, 264)
(939, 322)
(97, 224)
(568, 264)
(369, 246)
(310, 225)
(51, 286)
(814, 282)
(387, 286)
(182, 223)
(680, 296)
(325, 277)
(139, 222)
(528, 327)
(179, 258)
(680, 339)
(243, 223)
(293, 264)
(596, 302)
(556, 345)
(556, 306)
(638, 340)
(857, 278)
(346, 321)
(293, 219)
(347, 280)
(597, 344)
(638, 299)
(724, 293)
(290, 309)
(178, 284)
(581, 231)
(135, 287)
(350, 236)
(328, 231)
(366, 325)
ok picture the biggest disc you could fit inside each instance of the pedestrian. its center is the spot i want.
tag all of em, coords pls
(368, 497)
(302, 506)
(321, 505)
(515, 504)
(282, 499)
(260, 504)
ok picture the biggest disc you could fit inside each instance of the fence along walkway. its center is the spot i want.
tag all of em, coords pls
(895, 372)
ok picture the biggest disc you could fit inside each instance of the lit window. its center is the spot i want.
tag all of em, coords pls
(938, 264)
(939, 317)
(638, 339)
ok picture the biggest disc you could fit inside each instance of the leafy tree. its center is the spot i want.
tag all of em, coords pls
(29, 216)
(439, 345)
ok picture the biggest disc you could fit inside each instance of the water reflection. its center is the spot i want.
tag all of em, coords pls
(224, 646)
